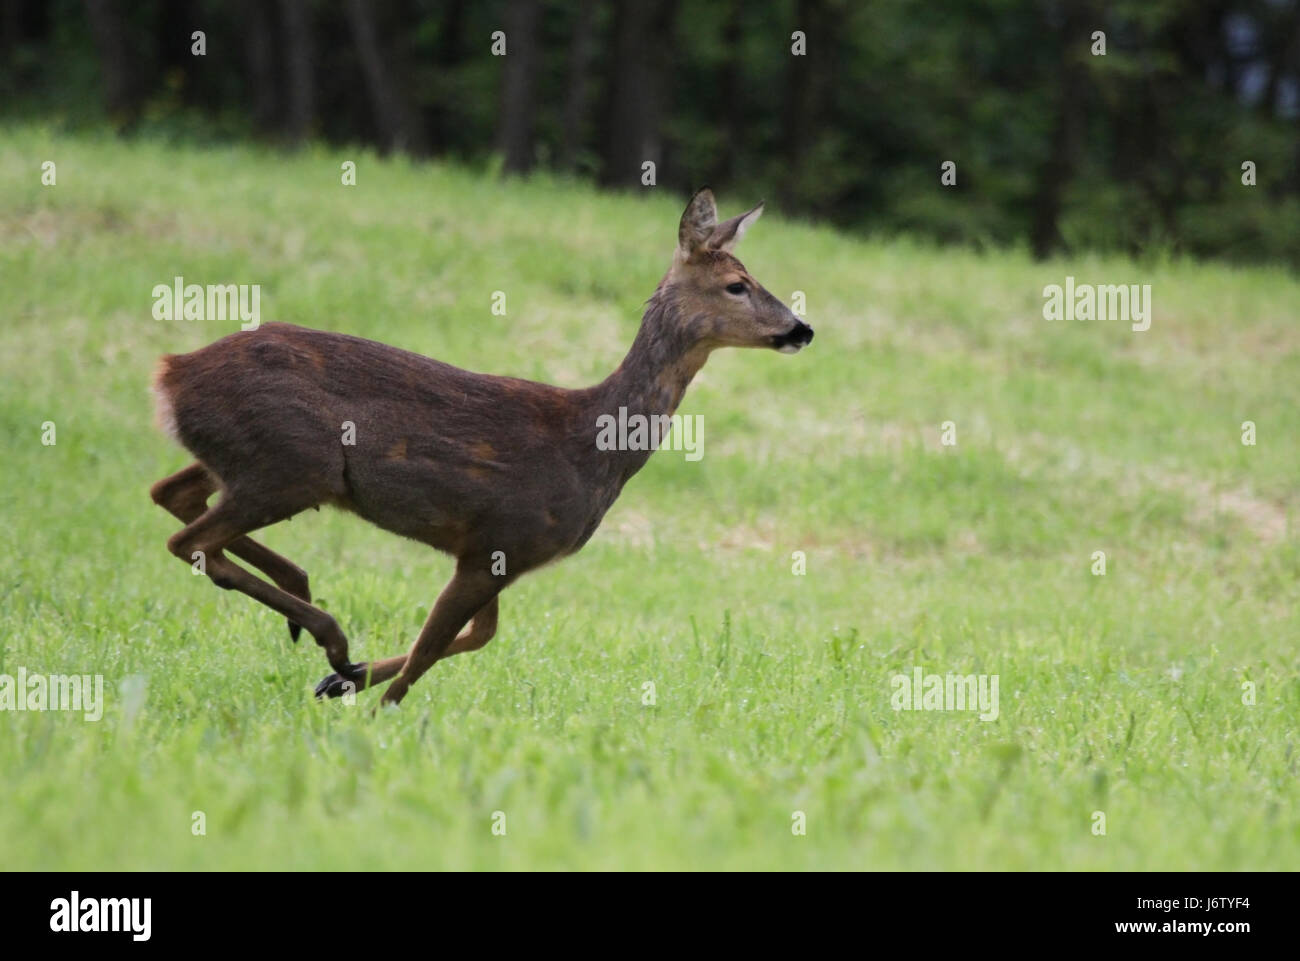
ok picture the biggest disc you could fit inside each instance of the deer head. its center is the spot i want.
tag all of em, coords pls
(717, 299)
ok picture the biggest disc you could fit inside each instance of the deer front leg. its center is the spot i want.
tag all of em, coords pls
(469, 591)
(481, 630)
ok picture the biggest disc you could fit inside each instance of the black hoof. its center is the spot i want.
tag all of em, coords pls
(349, 682)
(294, 631)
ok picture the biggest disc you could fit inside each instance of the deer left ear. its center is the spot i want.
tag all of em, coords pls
(726, 235)
(698, 221)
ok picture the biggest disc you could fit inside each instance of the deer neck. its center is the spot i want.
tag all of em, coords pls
(651, 380)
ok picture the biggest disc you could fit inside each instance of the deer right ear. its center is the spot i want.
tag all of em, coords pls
(698, 221)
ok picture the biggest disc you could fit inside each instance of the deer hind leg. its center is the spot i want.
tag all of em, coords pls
(185, 494)
(219, 527)
(480, 630)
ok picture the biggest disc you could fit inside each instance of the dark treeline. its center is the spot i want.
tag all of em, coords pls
(835, 109)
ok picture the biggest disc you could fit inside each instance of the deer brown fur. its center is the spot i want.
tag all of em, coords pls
(470, 464)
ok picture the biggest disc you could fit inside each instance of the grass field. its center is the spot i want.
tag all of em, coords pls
(1124, 694)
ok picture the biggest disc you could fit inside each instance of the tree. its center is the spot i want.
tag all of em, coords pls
(518, 87)
(581, 48)
(109, 32)
(638, 89)
(1056, 171)
(300, 102)
(399, 127)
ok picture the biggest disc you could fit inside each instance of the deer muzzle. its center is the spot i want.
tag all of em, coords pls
(794, 339)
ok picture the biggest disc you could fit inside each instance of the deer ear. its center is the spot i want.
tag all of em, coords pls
(698, 221)
(726, 235)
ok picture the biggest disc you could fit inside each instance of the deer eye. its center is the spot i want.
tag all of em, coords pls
(736, 288)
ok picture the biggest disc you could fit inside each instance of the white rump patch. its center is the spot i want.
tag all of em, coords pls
(164, 413)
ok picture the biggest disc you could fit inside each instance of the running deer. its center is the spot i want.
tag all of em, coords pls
(505, 475)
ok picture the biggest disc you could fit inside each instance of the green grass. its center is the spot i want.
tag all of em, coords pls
(1121, 694)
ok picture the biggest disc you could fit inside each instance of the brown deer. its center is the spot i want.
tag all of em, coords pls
(503, 474)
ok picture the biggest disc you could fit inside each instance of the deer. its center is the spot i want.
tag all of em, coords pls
(502, 474)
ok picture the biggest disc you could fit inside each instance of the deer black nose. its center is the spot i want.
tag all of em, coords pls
(798, 336)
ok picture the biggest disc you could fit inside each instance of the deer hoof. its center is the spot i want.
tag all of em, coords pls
(294, 631)
(348, 682)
